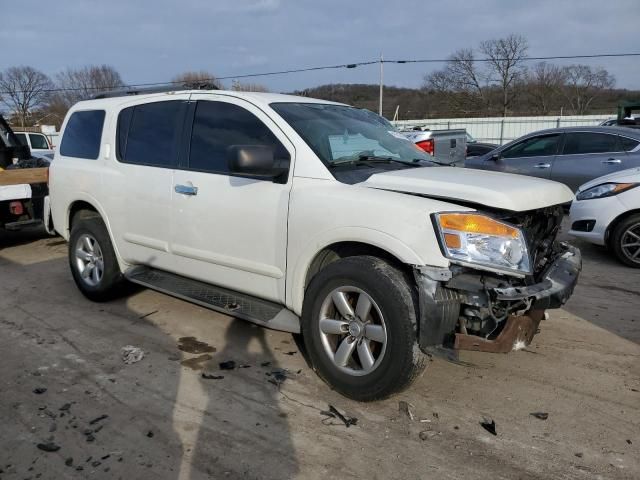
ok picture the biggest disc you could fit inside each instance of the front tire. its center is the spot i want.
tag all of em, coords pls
(92, 259)
(360, 329)
(625, 241)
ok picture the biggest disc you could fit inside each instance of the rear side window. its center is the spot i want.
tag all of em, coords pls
(149, 134)
(38, 141)
(586, 142)
(628, 144)
(218, 126)
(534, 147)
(22, 138)
(81, 137)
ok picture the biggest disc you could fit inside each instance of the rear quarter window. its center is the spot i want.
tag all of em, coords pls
(628, 144)
(82, 135)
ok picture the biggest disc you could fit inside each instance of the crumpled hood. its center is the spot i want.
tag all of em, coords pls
(493, 189)
(630, 175)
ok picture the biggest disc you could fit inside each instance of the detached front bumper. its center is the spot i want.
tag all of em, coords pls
(442, 306)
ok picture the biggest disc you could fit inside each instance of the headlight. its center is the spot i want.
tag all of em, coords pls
(479, 239)
(604, 190)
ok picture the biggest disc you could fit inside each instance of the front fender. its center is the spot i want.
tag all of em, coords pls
(298, 268)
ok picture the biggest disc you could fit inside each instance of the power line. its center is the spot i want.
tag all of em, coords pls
(340, 66)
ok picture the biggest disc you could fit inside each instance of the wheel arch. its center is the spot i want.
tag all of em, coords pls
(616, 221)
(356, 241)
(88, 204)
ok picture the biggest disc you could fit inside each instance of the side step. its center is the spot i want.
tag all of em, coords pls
(240, 305)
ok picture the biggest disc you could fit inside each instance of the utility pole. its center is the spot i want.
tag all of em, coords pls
(381, 79)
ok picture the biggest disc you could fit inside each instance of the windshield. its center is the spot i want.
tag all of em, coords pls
(338, 134)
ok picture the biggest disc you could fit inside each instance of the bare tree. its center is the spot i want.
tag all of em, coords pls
(544, 83)
(80, 84)
(505, 60)
(461, 81)
(24, 89)
(197, 78)
(583, 84)
(248, 87)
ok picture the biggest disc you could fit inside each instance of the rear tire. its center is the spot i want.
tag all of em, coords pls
(367, 349)
(92, 259)
(625, 241)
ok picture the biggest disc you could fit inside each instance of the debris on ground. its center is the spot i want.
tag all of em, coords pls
(629, 441)
(69, 461)
(48, 447)
(150, 434)
(228, 365)
(211, 376)
(98, 419)
(244, 366)
(489, 426)
(39, 390)
(278, 376)
(579, 454)
(290, 353)
(131, 354)
(403, 407)
(265, 364)
(334, 413)
(65, 407)
(540, 415)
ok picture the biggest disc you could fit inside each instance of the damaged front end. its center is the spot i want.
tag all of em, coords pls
(466, 308)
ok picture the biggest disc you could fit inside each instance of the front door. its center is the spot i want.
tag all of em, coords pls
(230, 230)
(533, 156)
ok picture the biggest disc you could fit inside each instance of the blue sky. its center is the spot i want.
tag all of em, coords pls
(151, 41)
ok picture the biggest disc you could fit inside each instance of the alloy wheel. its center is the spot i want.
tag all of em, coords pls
(352, 330)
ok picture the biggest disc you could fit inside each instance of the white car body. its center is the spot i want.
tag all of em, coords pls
(283, 227)
(605, 211)
(310, 217)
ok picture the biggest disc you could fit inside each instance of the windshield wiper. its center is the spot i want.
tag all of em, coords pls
(443, 164)
(368, 159)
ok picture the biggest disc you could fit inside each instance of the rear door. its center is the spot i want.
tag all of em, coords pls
(588, 155)
(148, 141)
(226, 229)
(533, 156)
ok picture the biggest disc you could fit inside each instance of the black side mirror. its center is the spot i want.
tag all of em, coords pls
(256, 161)
(496, 157)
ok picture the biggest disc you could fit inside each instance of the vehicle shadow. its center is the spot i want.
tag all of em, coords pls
(244, 433)
(157, 418)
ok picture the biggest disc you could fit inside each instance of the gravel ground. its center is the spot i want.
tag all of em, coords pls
(159, 418)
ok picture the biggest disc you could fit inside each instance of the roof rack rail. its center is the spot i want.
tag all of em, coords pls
(174, 87)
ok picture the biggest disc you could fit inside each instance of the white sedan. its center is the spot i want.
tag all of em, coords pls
(607, 212)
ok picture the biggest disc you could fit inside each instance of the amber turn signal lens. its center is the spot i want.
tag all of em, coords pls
(475, 223)
(452, 240)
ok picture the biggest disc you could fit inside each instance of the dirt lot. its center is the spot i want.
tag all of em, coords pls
(159, 418)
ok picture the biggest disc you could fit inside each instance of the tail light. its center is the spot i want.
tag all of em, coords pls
(426, 145)
(16, 208)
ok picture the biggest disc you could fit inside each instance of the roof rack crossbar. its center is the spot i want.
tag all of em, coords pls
(174, 87)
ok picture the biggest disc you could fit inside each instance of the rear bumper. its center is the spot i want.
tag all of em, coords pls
(440, 308)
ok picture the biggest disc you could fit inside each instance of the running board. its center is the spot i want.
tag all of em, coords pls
(240, 305)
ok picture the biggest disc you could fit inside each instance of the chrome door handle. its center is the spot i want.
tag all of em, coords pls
(186, 189)
(612, 161)
(542, 165)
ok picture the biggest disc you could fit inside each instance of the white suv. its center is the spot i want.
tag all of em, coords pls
(309, 217)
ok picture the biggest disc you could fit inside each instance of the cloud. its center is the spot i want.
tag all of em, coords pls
(234, 37)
